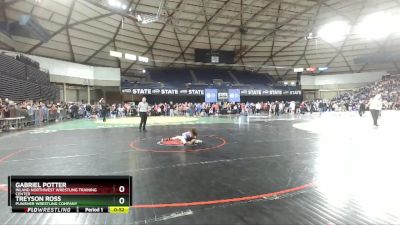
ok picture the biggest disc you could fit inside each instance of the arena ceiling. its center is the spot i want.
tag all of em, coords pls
(266, 35)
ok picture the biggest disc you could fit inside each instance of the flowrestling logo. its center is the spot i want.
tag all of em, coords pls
(156, 91)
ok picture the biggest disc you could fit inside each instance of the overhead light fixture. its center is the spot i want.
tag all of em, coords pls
(143, 71)
(118, 4)
(322, 69)
(310, 36)
(377, 26)
(334, 31)
(298, 70)
(151, 18)
(130, 57)
(115, 54)
(143, 59)
(311, 69)
(114, 3)
(293, 83)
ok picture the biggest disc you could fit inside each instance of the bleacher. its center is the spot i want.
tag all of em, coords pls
(37, 76)
(208, 75)
(171, 78)
(140, 84)
(19, 81)
(251, 78)
(206, 78)
(12, 67)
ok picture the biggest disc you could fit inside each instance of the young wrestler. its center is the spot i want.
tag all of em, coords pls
(187, 138)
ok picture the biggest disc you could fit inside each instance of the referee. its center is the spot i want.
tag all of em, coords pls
(143, 108)
(103, 109)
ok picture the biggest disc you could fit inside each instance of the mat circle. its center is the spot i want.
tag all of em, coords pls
(221, 142)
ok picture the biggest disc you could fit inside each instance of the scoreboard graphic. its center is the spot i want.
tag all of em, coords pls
(70, 194)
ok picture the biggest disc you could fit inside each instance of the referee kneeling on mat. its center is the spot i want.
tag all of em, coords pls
(143, 108)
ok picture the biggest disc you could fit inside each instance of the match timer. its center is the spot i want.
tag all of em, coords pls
(118, 210)
(69, 194)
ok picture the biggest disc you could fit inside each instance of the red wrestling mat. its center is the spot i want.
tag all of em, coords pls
(171, 143)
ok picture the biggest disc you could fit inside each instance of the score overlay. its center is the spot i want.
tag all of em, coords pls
(70, 194)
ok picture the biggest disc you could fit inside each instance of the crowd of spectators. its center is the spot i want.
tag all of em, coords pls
(389, 88)
(37, 113)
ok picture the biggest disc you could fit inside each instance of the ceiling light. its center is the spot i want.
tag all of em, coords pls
(311, 69)
(322, 69)
(114, 3)
(376, 26)
(124, 7)
(144, 71)
(116, 54)
(334, 31)
(130, 57)
(298, 70)
(143, 59)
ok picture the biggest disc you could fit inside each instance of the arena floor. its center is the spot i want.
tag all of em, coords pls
(331, 169)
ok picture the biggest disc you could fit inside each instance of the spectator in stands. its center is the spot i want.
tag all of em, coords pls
(258, 108)
(292, 107)
(88, 111)
(74, 111)
(30, 112)
(321, 107)
(3, 108)
(276, 110)
(361, 109)
(113, 111)
(171, 109)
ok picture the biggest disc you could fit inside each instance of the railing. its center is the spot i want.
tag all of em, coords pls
(24, 118)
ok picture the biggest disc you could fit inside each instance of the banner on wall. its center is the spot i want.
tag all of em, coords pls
(234, 95)
(211, 95)
(163, 91)
(270, 92)
(223, 95)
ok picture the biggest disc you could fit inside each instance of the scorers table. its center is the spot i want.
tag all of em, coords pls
(69, 194)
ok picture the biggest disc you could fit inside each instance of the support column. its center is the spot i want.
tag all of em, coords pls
(78, 97)
(65, 92)
(88, 94)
